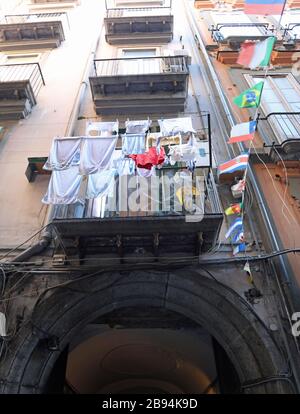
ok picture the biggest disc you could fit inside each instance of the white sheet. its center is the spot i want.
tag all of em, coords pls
(64, 187)
(96, 154)
(64, 154)
(176, 126)
(101, 184)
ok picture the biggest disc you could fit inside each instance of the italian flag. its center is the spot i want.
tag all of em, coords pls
(256, 54)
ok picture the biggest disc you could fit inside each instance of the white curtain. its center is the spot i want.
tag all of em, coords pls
(176, 126)
(64, 153)
(64, 187)
(96, 154)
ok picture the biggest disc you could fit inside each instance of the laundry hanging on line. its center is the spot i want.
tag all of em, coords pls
(138, 127)
(101, 184)
(64, 187)
(149, 159)
(95, 157)
(133, 144)
(176, 126)
(64, 154)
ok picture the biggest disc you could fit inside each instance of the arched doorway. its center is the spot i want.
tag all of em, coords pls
(60, 318)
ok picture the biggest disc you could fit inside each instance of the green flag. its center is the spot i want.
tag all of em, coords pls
(251, 97)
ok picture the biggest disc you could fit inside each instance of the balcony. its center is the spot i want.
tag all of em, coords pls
(19, 86)
(32, 31)
(282, 130)
(169, 211)
(139, 25)
(150, 85)
(234, 34)
(158, 225)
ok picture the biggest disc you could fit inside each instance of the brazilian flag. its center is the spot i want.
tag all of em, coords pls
(251, 97)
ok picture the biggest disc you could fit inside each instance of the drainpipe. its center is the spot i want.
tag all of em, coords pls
(47, 236)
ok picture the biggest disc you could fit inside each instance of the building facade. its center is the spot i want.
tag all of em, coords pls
(118, 282)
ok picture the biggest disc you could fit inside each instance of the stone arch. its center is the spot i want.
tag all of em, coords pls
(248, 344)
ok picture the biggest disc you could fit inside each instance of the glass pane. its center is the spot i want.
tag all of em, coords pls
(275, 107)
(282, 83)
(270, 96)
(291, 95)
(131, 53)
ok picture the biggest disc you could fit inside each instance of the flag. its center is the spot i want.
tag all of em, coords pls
(242, 132)
(234, 209)
(265, 7)
(250, 98)
(240, 248)
(238, 163)
(256, 54)
(248, 271)
(238, 237)
(235, 228)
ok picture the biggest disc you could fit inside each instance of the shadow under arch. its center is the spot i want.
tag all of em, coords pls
(246, 341)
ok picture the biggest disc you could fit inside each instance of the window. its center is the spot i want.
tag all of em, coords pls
(281, 93)
(139, 61)
(21, 58)
(137, 53)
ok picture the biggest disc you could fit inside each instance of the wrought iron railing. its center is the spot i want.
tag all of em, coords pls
(264, 29)
(23, 72)
(164, 203)
(285, 125)
(36, 17)
(288, 32)
(140, 66)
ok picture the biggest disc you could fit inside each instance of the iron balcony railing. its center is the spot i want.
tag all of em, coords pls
(249, 31)
(288, 32)
(165, 202)
(23, 72)
(140, 66)
(285, 125)
(36, 17)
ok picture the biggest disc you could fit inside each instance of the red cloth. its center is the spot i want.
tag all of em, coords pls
(150, 158)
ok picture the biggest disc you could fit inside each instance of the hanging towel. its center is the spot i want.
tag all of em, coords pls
(182, 153)
(176, 126)
(102, 129)
(96, 154)
(101, 184)
(64, 187)
(124, 166)
(133, 144)
(150, 158)
(64, 154)
(137, 127)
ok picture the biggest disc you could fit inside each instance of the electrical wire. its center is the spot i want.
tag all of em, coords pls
(275, 188)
